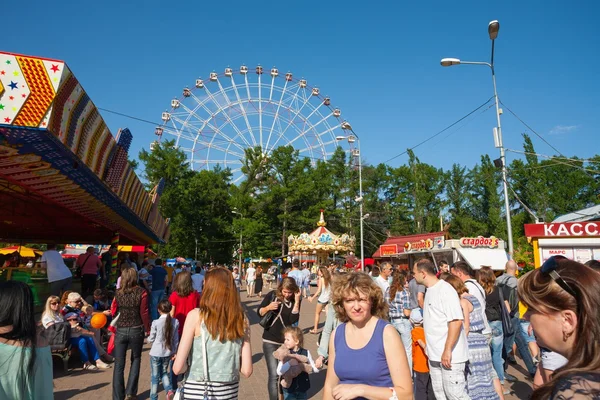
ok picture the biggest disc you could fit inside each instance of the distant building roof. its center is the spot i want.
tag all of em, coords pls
(587, 214)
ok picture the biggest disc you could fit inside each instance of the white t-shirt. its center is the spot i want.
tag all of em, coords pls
(442, 305)
(476, 290)
(251, 274)
(382, 283)
(56, 268)
(48, 319)
(198, 282)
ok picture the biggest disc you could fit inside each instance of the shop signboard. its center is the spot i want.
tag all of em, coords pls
(419, 245)
(556, 251)
(479, 242)
(589, 228)
(439, 242)
(388, 250)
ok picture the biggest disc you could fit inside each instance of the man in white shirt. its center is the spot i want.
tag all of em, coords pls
(382, 279)
(447, 347)
(59, 275)
(198, 280)
(250, 278)
(465, 273)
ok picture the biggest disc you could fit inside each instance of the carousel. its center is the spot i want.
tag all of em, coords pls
(317, 246)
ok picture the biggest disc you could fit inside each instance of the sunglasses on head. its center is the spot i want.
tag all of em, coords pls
(549, 267)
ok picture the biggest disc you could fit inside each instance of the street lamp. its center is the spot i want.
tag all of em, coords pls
(493, 28)
(351, 139)
(241, 232)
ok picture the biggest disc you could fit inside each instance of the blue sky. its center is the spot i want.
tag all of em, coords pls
(378, 61)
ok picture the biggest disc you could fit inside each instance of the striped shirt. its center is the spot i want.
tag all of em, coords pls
(194, 390)
(400, 303)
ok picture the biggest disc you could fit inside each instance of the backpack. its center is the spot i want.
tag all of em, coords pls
(513, 297)
(58, 335)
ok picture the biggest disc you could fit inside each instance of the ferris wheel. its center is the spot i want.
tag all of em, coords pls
(215, 120)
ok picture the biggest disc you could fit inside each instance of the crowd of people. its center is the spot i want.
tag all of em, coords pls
(437, 331)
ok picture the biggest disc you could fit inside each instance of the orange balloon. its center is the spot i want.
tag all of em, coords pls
(98, 320)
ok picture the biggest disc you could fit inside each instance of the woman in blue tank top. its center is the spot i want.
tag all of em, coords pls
(367, 359)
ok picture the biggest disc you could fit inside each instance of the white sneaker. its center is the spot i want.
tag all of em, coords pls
(89, 366)
(102, 364)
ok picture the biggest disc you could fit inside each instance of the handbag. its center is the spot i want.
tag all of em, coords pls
(507, 325)
(269, 318)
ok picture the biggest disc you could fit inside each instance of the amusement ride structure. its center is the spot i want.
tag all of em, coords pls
(64, 178)
(320, 243)
(216, 119)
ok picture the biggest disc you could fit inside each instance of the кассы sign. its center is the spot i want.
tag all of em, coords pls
(591, 228)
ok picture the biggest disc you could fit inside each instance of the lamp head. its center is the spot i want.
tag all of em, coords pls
(448, 62)
(493, 28)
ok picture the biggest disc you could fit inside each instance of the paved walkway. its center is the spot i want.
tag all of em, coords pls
(92, 385)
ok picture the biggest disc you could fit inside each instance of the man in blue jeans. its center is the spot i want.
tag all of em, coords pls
(159, 283)
(509, 280)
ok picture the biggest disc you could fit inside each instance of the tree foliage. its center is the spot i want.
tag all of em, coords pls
(282, 194)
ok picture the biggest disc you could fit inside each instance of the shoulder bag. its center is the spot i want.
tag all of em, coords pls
(80, 267)
(267, 320)
(180, 393)
(507, 325)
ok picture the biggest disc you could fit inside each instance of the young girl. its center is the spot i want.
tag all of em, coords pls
(299, 386)
(165, 339)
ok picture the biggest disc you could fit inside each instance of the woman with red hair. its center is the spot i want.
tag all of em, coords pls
(219, 334)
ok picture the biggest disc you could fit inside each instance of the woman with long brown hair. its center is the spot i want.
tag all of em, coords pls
(219, 331)
(284, 303)
(184, 298)
(398, 300)
(131, 303)
(323, 294)
(563, 307)
(493, 312)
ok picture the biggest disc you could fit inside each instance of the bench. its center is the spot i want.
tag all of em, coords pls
(64, 353)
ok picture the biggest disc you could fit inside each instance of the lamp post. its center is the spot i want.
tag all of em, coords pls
(241, 233)
(493, 28)
(351, 139)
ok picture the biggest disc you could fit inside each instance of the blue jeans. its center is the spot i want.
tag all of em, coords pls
(294, 396)
(159, 372)
(157, 296)
(404, 328)
(522, 346)
(273, 379)
(496, 348)
(87, 348)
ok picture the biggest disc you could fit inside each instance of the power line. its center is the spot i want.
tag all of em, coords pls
(553, 157)
(531, 129)
(440, 132)
(129, 116)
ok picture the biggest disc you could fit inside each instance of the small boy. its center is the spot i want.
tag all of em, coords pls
(89, 311)
(422, 381)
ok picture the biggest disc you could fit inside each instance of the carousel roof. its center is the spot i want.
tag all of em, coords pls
(63, 176)
(321, 239)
